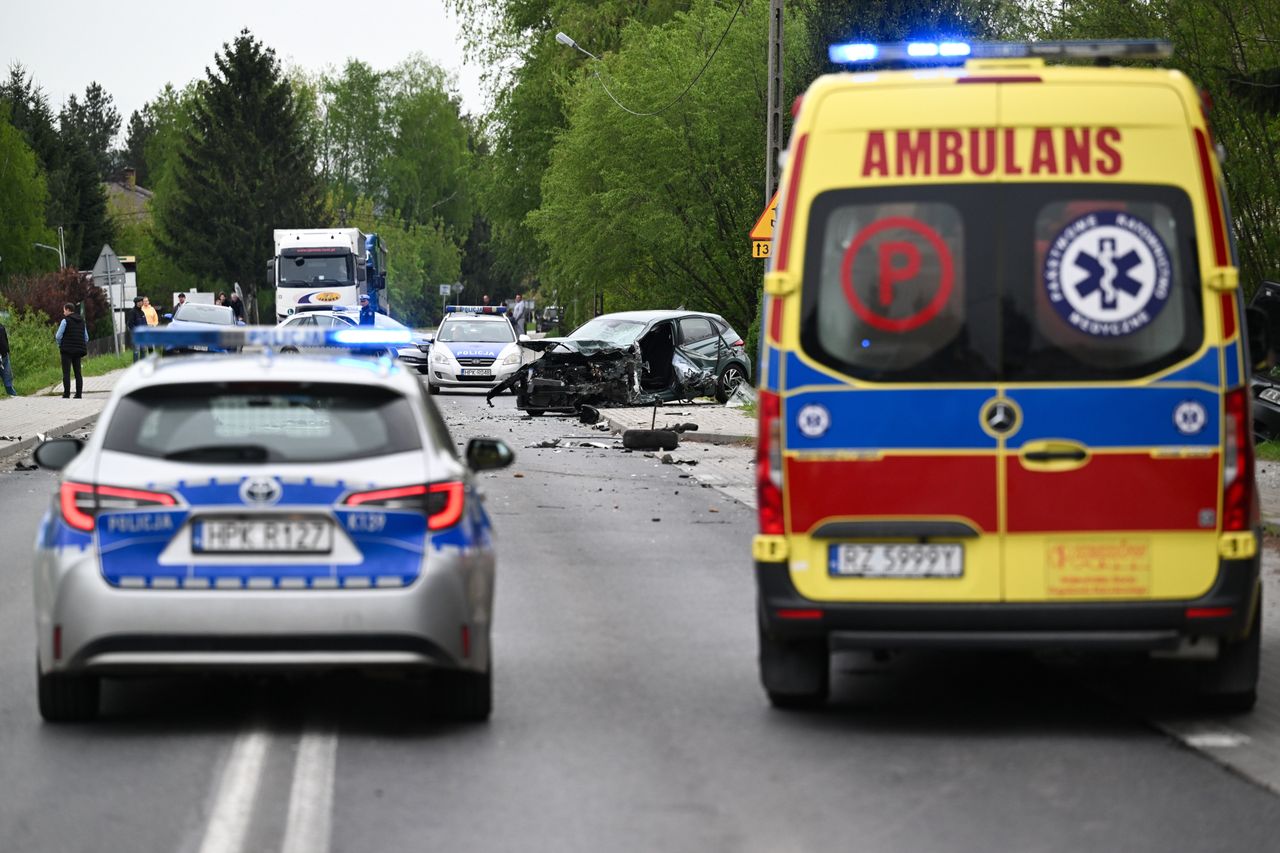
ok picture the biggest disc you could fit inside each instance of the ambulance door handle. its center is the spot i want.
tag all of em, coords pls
(1053, 455)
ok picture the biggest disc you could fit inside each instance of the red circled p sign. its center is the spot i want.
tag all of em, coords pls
(892, 273)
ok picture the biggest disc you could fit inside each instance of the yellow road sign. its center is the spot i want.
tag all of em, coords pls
(763, 229)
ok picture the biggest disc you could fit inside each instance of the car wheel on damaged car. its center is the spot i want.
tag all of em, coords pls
(730, 378)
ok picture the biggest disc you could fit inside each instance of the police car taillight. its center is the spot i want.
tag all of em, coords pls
(769, 464)
(81, 502)
(1238, 505)
(441, 503)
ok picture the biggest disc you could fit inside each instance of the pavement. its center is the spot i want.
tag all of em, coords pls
(717, 424)
(25, 421)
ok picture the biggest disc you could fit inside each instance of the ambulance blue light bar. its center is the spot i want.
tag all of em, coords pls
(475, 309)
(271, 336)
(936, 52)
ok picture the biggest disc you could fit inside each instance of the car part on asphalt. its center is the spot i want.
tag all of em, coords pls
(650, 439)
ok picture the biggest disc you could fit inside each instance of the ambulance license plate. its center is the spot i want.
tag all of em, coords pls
(476, 371)
(266, 536)
(899, 560)
(1271, 395)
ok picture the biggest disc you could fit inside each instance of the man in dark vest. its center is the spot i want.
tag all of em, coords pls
(73, 343)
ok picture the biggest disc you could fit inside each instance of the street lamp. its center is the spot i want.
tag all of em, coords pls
(61, 260)
(568, 42)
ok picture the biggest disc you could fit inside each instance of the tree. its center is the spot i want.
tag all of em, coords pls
(245, 168)
(142, 129)
(92, 123)
(23, 197)
(353, 134)
(654, 210)
(78, 201)
(30, 113)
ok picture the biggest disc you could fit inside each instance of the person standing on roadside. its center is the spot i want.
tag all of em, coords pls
(153, 319)
(520, 315)
(237, 307)
(6, 364)
(366, 311)
(182, 300)
(73, 343)
(136, 318)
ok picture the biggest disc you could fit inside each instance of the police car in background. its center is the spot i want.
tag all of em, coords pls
(240, 512)
(413, 353)
(475, 347)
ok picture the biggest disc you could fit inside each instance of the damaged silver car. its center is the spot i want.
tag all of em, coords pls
(632, 358)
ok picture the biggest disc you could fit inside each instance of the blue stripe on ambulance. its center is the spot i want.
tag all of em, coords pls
(800, 374)
(1204, 369)
(1231, 355)
(771, 378)
(925, 418)
(1114, 417)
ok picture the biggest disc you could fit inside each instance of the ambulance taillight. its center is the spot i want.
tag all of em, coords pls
(1238, 505)
(769, 464)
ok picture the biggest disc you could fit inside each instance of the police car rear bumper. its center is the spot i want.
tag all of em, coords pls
(1103, 626)
(115, 631)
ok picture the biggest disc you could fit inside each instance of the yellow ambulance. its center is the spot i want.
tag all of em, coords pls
(1004, 397)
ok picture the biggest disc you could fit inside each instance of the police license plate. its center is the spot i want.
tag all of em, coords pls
(263, 536)
(899, 560)
(476, 371)
(1271, 395)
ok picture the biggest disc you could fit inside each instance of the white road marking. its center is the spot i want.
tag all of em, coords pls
(237, 792)
(311, 797)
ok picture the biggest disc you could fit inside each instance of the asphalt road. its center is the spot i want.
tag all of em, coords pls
(628, 717)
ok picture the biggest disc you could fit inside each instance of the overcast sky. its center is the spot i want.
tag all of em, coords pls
(133, 47)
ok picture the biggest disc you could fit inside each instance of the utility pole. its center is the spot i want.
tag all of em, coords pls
(773, 116)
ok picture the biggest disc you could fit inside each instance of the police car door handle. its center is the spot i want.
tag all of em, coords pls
(1053, 455)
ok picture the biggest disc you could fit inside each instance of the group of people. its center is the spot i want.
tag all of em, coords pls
(520, 314)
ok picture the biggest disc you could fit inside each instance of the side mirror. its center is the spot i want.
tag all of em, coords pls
(362, 274)
(56, 453)
(488, 454)
(523, 338)
(271, 273)
(1259, 332)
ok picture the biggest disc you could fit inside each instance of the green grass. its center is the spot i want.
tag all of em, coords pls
(30, 381)
(1269, 450)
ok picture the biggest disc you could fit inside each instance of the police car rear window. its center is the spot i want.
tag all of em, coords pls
(263, 422)
(1000, 282)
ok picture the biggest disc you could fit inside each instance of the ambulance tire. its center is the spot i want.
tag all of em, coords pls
(65, 698)
(468, 696)
(795, 675)
(1230, 683)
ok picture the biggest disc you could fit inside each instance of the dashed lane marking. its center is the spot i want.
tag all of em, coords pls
(237, 792)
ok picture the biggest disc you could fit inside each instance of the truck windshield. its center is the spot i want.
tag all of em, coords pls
(309, 270)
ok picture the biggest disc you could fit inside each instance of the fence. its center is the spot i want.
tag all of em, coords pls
(107, 345)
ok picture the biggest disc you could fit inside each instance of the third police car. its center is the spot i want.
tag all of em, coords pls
(475, 347)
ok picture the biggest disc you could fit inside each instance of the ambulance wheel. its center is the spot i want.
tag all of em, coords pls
(67, 698)
(795, 675)
(1230, 683)
(468, 696)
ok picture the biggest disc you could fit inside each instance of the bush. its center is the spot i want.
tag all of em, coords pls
(47, 294)
(32, 348)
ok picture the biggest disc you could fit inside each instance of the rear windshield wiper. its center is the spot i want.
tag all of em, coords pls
(221, 453)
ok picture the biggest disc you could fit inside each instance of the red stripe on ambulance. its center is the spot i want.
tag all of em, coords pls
(959, 486)
(1115, 491)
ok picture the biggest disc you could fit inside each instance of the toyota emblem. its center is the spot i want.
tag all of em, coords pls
(261, 490)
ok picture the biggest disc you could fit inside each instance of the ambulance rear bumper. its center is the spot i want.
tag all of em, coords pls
(1101, 626)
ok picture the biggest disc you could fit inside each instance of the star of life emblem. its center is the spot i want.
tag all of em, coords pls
(1108, 274)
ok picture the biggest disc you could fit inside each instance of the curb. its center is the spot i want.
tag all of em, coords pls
(30, 442)
(704, 437)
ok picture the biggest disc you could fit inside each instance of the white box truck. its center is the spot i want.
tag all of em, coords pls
(317, 268)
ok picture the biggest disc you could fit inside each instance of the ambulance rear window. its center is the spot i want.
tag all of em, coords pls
(1001, 282)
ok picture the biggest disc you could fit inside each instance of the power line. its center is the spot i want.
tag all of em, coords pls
(692, 82)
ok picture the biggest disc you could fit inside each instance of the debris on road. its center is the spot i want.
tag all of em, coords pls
(650, 439)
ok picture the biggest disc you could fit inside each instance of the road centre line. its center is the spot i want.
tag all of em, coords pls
(237, 792)
(308, 828)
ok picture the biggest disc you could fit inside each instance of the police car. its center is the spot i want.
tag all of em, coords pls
(475, 347)
(414, 353)
(238, 512)
(1004, 380)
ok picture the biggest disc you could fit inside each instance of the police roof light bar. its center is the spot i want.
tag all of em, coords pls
(940, 52)
(475, 309)
(272, 336)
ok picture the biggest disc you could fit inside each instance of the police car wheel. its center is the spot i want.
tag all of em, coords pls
(1230, 683)
(468, 696)
(795, 675)
(67, 698)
